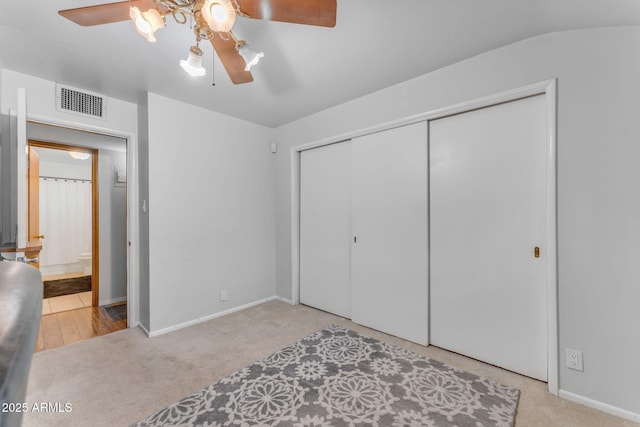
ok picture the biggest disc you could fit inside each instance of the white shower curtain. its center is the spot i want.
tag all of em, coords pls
(65, 220)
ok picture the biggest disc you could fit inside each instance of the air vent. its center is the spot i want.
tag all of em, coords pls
(80, 102)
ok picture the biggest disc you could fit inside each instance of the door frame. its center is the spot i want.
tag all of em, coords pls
(95, 210)
(547, 88)
(133, 219)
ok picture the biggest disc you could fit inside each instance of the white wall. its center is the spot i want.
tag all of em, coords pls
(598, 176)
(211, 212)
(113, 228)
(143, 196)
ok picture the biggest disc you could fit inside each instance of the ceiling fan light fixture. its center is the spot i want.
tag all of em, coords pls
(78, 155)
(210, 20)
(220, 15)
(193, 63)
(147, 23)
(250, 56)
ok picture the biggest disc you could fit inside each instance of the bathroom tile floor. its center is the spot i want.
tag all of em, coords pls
(66, 302)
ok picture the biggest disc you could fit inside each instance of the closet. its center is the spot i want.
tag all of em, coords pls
(438, 232)
(363, 230)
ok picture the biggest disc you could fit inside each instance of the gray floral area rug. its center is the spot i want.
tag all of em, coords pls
(337, 377)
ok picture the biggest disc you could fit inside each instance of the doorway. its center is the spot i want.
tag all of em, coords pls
(82, 133)
(107, 307)
(63, 211)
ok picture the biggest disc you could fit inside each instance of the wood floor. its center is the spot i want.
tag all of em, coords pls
(70, 326)
(70, 318)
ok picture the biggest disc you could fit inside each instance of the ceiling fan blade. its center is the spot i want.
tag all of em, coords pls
(231, 59)
(107, 13)
(308, 12)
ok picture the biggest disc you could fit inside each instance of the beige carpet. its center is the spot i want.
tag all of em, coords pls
(338, 377)
(118, 379)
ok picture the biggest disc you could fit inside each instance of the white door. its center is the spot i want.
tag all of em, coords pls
(389, 211)
(325, 228)
(21, 151)
(487, 216)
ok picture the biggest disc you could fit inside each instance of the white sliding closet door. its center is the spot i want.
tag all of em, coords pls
(487, 216)
(325, 228)
(389, 211)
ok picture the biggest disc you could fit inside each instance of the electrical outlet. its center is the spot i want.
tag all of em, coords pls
(574, 359)
(223, 295)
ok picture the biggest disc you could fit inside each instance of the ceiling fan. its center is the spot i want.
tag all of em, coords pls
(211, 20)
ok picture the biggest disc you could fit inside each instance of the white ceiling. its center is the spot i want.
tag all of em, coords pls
(375, 44)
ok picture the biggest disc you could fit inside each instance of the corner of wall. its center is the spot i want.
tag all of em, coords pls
(143, 197)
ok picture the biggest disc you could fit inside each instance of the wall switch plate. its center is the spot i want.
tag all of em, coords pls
(574, 359)
(223, 295)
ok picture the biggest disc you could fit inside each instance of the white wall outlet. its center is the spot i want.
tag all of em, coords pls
(223, 295)
(574, 359)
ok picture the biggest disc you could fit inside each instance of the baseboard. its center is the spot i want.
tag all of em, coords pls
(50, 270)
(111, 301)
(209, 317)
(141, 326)
(601, 406)
(286, 301)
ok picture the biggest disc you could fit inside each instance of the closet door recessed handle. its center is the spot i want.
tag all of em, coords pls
(536, 252)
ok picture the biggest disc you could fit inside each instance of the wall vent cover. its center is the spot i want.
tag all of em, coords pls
(80, 102)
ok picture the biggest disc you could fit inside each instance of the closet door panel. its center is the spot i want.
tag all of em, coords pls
(487, 213)
(325, 228)
(389, 211)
